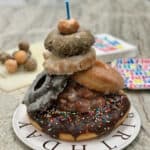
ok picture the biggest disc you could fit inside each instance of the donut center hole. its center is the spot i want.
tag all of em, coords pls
(40, 83)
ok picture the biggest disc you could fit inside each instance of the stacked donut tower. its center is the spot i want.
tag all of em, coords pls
(77, 97)
(70, 49)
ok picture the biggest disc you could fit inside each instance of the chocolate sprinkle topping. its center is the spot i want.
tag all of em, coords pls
(99, 118)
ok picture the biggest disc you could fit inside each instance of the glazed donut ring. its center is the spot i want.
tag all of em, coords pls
(69, 65)
(101, 77)
(69, 45)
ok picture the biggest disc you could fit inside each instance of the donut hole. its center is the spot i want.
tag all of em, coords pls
(40, 83)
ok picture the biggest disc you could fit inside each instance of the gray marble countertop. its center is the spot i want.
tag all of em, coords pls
(31, 20)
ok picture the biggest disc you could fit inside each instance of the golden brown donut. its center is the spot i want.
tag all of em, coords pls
(101, 77)
(60, 66)
(66, 26)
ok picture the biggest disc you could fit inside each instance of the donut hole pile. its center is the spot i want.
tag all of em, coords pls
(19, 59)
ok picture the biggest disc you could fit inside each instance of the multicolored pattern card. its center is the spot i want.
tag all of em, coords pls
(135, 71)
(109, 48)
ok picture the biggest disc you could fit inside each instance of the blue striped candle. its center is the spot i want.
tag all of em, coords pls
(67, 8)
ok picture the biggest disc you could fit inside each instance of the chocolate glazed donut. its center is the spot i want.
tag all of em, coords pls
(101, 116)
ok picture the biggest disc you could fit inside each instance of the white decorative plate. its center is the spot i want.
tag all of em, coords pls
(118, 139)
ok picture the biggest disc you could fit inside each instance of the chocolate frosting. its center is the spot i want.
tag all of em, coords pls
(100, 118)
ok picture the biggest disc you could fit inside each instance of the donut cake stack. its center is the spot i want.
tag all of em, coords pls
(76, 97)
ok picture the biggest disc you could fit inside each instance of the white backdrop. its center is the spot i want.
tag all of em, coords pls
(23, 2)
(12, 2)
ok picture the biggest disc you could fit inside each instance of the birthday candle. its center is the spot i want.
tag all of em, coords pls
(67, 9)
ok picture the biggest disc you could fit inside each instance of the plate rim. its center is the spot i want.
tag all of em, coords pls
(26, 143)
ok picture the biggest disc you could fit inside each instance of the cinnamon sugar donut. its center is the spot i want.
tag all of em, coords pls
(69, 44)
(101, 77)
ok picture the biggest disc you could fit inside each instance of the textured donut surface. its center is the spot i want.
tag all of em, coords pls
(69, 45)
(43, 91)
(101, 77)
(69, 65)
